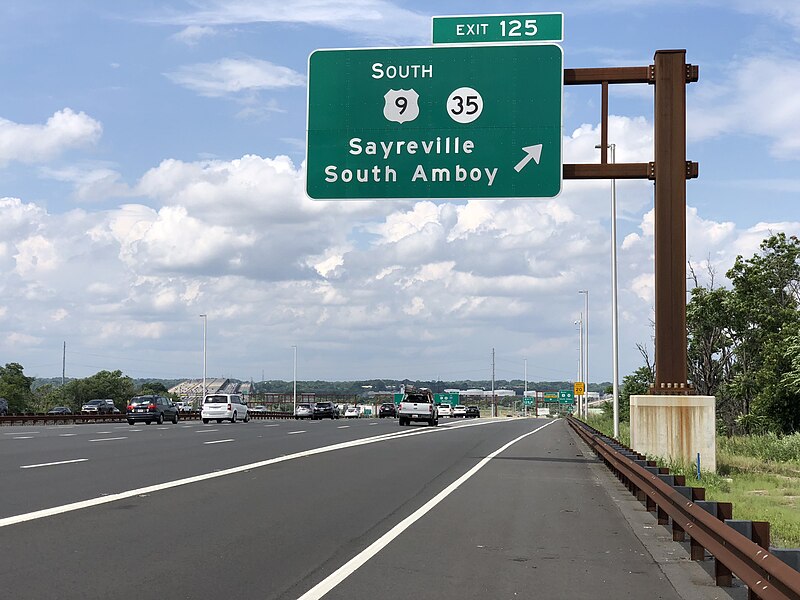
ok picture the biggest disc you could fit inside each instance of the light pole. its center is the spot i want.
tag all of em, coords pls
(586, 360)
(525, 393)
(579, 323)
(614, 305)
(205, 329)
(294, 393)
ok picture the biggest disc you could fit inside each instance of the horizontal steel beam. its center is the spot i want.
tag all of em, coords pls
(608, 74)
(621, 171)
(596, 76)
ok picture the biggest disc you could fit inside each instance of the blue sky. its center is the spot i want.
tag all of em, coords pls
(152, 169)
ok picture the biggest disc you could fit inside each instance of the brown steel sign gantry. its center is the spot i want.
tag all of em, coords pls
(670, 170)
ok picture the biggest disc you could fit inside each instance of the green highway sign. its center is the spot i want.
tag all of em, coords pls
(562, 397)
(480, 29)
(529, 400)
(450, 398)
(566, 396)
(435, 122)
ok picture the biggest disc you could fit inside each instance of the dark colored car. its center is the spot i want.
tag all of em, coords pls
(59, 410)
(151, 408)
(325, 410)
(472, 412)
(387, 409)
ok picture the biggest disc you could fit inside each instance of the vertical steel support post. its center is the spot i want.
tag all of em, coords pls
(670, 219)
(604, 123)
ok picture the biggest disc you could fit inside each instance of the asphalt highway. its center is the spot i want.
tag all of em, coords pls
(337, 509)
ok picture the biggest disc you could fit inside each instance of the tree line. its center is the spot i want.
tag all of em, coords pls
(27, 394)
(743, 342)
(23, 396)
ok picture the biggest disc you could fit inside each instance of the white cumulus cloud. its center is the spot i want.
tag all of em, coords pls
(39, 143)
(231, 76)
(375, 19)
(736, 106)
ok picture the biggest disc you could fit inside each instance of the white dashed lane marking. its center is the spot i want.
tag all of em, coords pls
(51, 464)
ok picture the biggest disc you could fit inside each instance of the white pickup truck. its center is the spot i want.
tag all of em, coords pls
(418, 405)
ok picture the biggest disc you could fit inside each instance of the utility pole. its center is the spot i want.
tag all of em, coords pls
(494, 404)
(525, 392)
(63, 373)
(586, 360)
(205, 363)
(294, 392)
(579, 323)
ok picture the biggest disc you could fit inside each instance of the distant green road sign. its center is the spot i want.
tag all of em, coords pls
(435, 122)
(566, 396)
(448, 398)
(480, 29)
(529, 400)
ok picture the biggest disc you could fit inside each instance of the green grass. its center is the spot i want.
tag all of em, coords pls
(758, 474)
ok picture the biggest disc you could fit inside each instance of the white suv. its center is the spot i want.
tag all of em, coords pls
(230, 407)
(445, 410)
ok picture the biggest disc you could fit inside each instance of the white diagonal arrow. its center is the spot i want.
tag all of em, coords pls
(531, 152)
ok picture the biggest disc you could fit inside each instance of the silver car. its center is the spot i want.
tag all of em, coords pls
(304, 411)
(98, 407)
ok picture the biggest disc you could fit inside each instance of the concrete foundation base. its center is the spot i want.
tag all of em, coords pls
(676, 427)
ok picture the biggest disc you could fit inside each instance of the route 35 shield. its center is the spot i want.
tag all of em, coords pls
(401, 106)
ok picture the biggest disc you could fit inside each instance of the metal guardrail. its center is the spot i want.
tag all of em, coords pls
(45, 419)
(740, 548)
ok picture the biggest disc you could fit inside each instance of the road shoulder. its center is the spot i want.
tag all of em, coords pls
(691, 580)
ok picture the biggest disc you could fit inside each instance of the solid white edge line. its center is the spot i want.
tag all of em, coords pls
(50, 464)
(73, 506)
(351, 566)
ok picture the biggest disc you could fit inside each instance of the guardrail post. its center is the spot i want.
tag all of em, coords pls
(760, 537)
(722, 575)
(651, 468)
(663, 517)
(758, 532)
(695, 549)
(664, 475)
